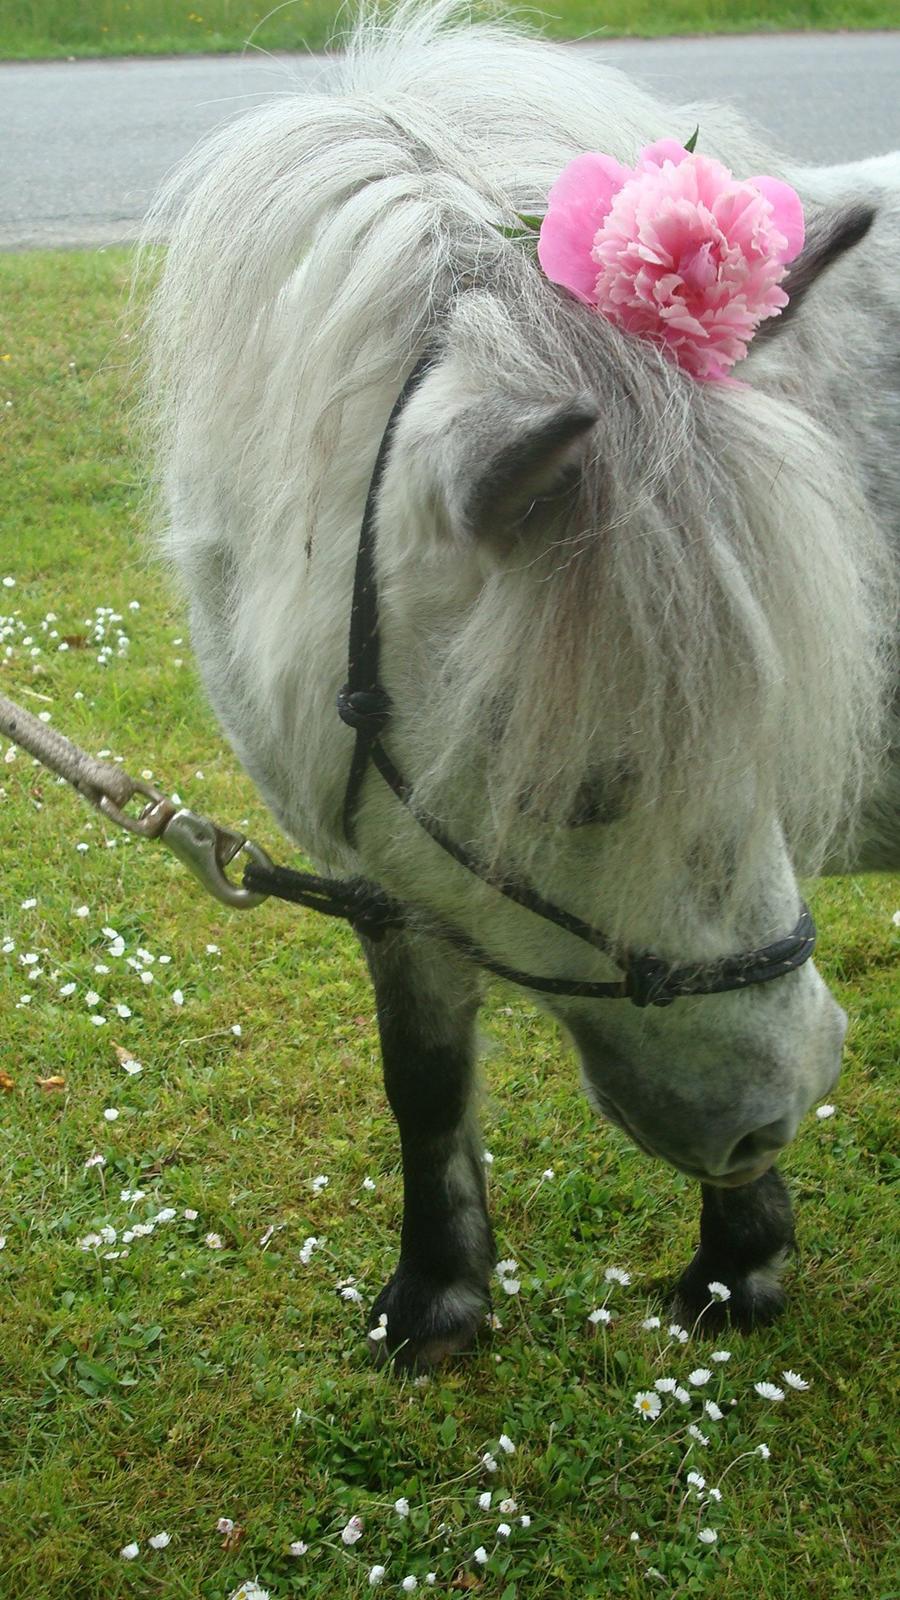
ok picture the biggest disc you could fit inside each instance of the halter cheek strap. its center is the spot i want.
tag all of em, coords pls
(365, 706)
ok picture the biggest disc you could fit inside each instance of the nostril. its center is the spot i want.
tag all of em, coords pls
(763, 1142)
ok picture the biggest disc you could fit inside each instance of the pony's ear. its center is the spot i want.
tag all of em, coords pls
(535, 463)
(478, 465)
(828, 237)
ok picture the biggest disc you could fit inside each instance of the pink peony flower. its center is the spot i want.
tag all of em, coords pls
(676, 250)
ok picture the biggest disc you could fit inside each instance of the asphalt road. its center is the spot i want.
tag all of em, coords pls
(85, 143)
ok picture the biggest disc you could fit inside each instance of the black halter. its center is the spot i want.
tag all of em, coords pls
(365, 705)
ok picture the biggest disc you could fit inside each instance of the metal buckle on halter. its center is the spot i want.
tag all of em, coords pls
(646, 977)
(206, 848)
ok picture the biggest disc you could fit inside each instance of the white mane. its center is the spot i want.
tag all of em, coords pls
(708, 619)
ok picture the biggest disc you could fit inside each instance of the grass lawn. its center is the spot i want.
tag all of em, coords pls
(53, 28)
(170, 1353)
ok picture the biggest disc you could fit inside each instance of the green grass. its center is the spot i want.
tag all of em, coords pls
(158, 1391)
(52, 28)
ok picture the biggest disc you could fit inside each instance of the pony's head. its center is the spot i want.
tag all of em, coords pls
(622, 626)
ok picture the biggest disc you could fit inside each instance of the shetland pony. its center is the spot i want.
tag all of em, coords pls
(635, 628)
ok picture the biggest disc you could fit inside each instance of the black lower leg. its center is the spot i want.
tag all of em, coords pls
(745, 1237)
(438, 1296)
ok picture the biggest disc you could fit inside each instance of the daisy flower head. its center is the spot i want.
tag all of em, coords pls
(380, 1331)
(675, 1331)
(764, 1451)
(720, 1355)
(158, 1541)
(794, 1380)
(707, 1536)
(506, 1444)
(129, 1551)
(713, 1411)
(699, 1377)
(695, 1433)
(719, 1291)
(649, 1323)
(484, 1500)
(481, 1556)
(769, 1391)
(376, 1575)
(409, 1584)
(665, 1385)
(648, 1403)
(681, 1395)
(824, 1112)
(298, 1548)
(353, 1531)
(503, 1530)
(616, 1275)
(401, 1507)
(600, 1314)
(489, 1462)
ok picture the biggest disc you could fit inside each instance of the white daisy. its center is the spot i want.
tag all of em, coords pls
(649, 1323)
(823, 1112)
(481, 1556)
(719, 1291)
(298, 1548)
(506, 1444)
(409, 1584)
(695, 1433)
(769, 1391)
(376, 1575)
(129, 1551)
(158, 1541)
(764, 1451)
(616, 1275)
(600, 1315)
(699, 1377)
(665, 1385)
(648, 1404)
(401, 1507)
(707, 1536)
(713, 1411)
(794, 1380)
(352, 1531)
(720, 1355)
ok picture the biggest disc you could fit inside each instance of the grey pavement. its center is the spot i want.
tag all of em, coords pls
(85, 143)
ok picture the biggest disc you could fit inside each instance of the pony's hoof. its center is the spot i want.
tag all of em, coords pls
(754, 1300)
(416, 1325)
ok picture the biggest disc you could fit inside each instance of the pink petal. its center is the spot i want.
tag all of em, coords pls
(577, 205)
(662, 150)
(787, 209)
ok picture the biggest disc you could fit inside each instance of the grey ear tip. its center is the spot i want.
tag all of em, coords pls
(857, 222)
(583, 414)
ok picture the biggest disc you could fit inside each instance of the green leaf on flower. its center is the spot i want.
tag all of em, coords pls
(690, 144)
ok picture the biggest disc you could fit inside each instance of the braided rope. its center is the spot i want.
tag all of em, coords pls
(90, 777)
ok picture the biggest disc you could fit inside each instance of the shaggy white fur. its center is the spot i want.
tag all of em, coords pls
(697, 636)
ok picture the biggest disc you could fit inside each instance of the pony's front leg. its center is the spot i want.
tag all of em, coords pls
(746, 1236)
(427, 1002)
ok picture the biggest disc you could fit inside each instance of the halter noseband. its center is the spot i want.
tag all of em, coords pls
(365, 705)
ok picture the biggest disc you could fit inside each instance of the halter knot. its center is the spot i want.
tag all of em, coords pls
(646, 981)
(366, 710)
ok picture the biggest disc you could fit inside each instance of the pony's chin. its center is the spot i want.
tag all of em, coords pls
(729, 1180)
